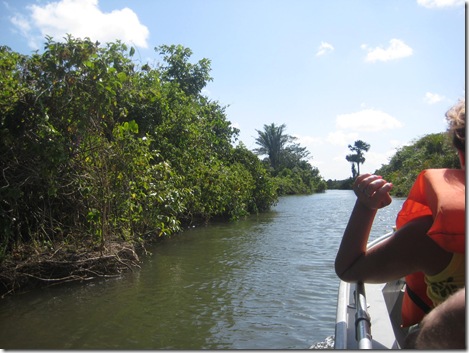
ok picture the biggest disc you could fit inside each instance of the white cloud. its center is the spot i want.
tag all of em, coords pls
(432, 98)
(308, 141)
(440, 3)
(367, 120)
(341, 138)
(21, 23)
(324, 48)
(23, 26)
(396, 144)
(83, 18)
(374, 160)
(397, 49)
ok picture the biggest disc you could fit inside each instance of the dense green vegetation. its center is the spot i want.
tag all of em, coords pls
(286, 162)
(96, 148)
(342, 184)
(430, 151)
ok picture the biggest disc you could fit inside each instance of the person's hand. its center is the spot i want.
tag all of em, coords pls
(372, 191)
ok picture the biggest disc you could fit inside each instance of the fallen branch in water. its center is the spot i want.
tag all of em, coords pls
(39, 270)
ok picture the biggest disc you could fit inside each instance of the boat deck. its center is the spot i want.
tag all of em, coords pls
(384, 314)
(383, 307)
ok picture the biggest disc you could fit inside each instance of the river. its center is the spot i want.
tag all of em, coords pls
(265, 282)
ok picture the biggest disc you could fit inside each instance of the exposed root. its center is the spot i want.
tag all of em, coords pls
(31, 270)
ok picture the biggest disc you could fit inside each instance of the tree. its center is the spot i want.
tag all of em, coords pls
(94, 148)
(359, 147)
(429, 151)
(191, 78)
(354, 170)
(271, 141)
(279, 147)
(287, 159)
(293, 154)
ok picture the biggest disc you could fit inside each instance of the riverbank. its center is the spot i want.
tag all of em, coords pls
(28, 267)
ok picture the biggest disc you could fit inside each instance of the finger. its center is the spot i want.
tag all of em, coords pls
(386, 188)
(376, 186)
(363, 180)
(369, 183)
(360, 179)
(383, 193)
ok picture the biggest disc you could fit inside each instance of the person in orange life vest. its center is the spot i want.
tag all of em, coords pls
(428, 246)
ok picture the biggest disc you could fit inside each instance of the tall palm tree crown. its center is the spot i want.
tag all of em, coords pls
(272, 141)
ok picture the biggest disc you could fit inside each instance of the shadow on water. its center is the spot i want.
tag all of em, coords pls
(266, 282)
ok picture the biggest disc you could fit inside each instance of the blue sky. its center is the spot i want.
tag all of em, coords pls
(333, 71)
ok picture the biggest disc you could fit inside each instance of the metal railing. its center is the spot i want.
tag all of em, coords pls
(362, 319)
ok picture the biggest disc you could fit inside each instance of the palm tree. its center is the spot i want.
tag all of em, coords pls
(359, 147)
(272, 142)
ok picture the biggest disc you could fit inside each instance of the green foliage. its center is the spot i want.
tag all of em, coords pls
(264, 193)
(302, 179)
(272, 141)
(430, 151)
(94, 148)
(285, 160)
(191, 78)
(125, 190)
(345, 184)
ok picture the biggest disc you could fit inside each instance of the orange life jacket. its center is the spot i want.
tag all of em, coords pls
(441, 194)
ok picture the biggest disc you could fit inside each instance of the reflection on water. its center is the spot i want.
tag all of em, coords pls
(266, 282)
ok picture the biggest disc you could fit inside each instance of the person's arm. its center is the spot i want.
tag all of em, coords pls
(408, 250)
(372, 193)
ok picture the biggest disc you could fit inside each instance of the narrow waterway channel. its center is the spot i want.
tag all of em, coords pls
(266, 282)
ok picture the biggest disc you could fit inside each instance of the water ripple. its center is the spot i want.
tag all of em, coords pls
(266, 282)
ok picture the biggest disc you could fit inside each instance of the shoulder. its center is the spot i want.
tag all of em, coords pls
(418, 249)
